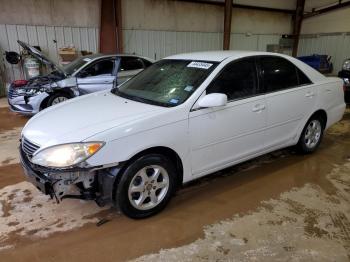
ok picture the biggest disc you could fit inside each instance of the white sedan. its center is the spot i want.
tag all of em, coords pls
(182, 118)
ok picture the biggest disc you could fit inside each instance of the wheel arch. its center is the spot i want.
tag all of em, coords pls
(43, 103)
(162, 150)
(320, 113)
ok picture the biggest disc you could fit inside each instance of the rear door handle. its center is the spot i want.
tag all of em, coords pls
(258, 108)
(310, 94)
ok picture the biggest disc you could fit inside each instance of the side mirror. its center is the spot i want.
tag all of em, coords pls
(213, 100)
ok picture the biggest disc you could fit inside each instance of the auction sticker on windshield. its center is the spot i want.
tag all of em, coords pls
(201, 65)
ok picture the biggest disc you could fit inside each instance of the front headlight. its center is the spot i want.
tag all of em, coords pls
(50, 85)
(346, 65)
(32, 91)
(21, 91)
(66, 155)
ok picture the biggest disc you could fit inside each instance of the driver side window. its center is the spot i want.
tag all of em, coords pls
(237, 80)
(104, 67)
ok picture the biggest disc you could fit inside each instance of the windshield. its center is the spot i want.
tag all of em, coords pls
(72, 67)
(167, 82)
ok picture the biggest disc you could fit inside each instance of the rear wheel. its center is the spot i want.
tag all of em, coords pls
(57, 98)
(311, 136)
(146, 186)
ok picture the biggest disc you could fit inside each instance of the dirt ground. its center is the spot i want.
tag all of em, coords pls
(279, 207)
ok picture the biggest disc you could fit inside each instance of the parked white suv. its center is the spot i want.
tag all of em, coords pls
(180, 119)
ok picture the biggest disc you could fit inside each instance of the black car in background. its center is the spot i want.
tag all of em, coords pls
(345, 75)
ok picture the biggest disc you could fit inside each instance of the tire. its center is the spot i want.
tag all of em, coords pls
(136, 195)
(311, 136)
(57, 98)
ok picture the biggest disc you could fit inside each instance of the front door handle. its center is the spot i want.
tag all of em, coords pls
(258, 108)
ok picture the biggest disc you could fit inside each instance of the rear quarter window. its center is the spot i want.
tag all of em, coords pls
(146, 63)
(302, 78)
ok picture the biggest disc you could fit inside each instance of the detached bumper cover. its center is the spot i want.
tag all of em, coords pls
(90, 185)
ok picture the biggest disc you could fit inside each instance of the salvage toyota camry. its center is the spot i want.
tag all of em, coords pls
(184, 117)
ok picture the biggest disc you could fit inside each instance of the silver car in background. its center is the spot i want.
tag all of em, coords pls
(84, 75)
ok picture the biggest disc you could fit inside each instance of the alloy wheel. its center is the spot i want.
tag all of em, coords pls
(59, 99)
(148, 187)
(313, 134)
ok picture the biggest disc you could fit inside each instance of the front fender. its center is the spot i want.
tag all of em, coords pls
(173, 136)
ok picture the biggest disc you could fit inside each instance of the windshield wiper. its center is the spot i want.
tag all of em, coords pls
(139, 99)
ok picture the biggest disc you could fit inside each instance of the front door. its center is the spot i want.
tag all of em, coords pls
(96, 77)
(223, 136)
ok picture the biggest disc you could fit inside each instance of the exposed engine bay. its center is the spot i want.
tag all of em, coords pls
(49, 83)
(40, 81)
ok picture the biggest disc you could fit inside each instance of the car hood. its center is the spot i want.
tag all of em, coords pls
(80, 118)
(40, 56)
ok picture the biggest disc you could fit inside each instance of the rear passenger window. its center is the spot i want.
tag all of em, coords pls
(146, 63)
(237, 80)
(278, 73)
(130, 63)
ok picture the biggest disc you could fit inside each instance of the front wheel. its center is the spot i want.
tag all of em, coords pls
(146, 186)
(311, 136)
(57, 98)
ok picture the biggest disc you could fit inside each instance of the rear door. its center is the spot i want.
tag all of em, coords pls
(129, 66)
(97, 76)
(290, 98)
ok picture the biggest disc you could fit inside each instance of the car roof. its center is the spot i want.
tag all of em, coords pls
(219, 56)
(100, 55)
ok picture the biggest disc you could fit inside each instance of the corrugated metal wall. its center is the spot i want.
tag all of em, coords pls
(49, 38)
(159, 44)
(253, 42)
(335, 45)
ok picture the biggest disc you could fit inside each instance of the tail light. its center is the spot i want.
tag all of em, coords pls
(346, 85)
(19, 83)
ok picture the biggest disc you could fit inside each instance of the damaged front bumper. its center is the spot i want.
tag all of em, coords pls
(25, 105)
(78, 183)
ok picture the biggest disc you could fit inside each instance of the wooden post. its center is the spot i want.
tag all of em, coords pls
(298, 19)
(111, 35)
(227, 24)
